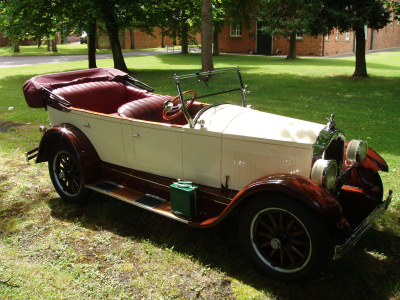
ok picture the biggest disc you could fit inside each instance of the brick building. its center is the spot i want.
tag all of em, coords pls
(5, 41)
(234, 39)
(142, 39)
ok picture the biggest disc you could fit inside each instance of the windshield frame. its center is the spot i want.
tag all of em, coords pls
(202, 76)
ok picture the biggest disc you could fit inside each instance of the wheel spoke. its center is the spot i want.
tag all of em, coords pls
(272, 252)
(297, 233)
(281, 252)
(266, 226)
(265, 244)
(295, 250)
(281, 221)
(265, 235)
(299, 243)
(273, 221)
(290, 254)
(290, 225)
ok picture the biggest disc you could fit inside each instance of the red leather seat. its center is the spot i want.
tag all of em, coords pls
(149, 109)
(100, 96)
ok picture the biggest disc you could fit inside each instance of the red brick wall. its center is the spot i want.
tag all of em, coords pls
(306, 46)
(387, 37)
(339, 45)
(243, 44)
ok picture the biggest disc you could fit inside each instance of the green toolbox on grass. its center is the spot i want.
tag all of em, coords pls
(184, 199)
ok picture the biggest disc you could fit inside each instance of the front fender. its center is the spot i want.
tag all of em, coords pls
(86, 154)
(298, 187)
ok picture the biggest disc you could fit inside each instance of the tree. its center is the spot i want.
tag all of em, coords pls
(206, 36)
(30, 19)
(354, 15)
(285, 18)
(181, 20)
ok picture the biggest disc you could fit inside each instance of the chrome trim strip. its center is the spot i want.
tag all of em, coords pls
(341, 250)
(163, 213)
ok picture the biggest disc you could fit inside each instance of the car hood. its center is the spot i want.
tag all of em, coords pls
(239, 123)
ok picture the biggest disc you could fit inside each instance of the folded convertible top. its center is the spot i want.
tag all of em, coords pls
(33, 87)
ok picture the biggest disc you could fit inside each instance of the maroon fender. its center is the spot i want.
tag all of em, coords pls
(375, 162)
(360, 195)
(89, 160)
(298, 187)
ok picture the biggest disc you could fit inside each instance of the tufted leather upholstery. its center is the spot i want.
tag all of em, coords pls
(100, 96)
(149, 109)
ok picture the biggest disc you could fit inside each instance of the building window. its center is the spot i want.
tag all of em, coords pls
(347, 34)
(299, 36)
(327, 37)
(365, 31)
(391, 18)
(236, 29)
(337, 33)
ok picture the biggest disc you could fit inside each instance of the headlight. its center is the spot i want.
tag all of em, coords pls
(357, 151)
(324, 172)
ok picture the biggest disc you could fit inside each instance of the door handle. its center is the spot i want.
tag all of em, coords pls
(86, 125)
(137, 135)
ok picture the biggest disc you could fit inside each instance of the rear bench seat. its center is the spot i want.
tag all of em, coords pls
(100, 96)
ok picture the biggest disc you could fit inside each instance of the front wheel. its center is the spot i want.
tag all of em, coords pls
(284, 239)
(66, 175)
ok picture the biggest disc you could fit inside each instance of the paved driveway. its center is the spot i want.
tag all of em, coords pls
(19, 61)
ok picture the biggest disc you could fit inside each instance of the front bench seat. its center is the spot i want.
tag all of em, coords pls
(149, 109)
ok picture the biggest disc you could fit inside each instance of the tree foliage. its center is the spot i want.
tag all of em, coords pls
(354, 15)
(286, 18)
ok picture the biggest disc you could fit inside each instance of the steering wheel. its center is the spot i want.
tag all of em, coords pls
(177, 110)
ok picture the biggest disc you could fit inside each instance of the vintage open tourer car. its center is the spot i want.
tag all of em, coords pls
(293, 182)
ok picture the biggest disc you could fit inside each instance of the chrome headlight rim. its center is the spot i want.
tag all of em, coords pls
(324, 172)
(357, 151)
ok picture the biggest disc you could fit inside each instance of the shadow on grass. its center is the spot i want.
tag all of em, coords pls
(359, 275)
(263, 61)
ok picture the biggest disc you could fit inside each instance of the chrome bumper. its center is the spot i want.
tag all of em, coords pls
(341, 250)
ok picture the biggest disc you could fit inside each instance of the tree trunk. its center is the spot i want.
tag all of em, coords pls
(132, 38)
(361, 65)
(39, 42)
(48, 45)
(96, 39)
(206, 36)
(119, 62)
(162, 37)
(184, 37)
(215, 42)
(54, 45)
(292, 45)
(92, 45)
(16, 47)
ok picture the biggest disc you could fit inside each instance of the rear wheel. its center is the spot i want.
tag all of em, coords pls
(66, 174)
(284, 239)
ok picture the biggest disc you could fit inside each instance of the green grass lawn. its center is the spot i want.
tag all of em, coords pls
(63, 49)
(107, 249)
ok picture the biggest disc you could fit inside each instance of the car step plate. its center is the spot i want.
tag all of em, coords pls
(150, 200)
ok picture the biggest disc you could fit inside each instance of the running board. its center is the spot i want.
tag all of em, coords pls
(147, 201)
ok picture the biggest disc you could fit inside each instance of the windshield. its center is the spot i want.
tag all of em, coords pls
(211, 88)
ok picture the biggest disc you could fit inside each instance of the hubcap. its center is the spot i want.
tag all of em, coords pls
(276, 243)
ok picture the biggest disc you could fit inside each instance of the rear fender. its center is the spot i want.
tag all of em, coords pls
(86, 154)
(298, 187)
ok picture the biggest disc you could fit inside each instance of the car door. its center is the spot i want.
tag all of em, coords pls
(157, 148)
